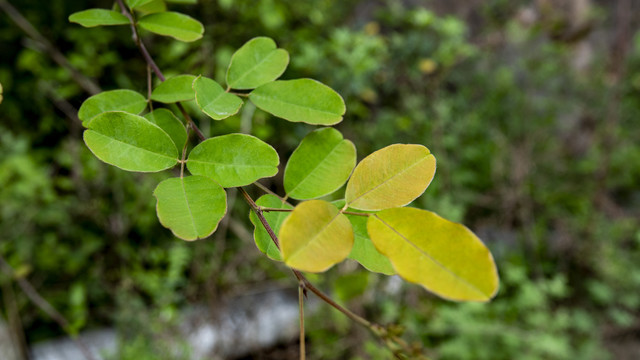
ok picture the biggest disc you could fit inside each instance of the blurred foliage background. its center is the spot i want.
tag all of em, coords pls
(532, 109)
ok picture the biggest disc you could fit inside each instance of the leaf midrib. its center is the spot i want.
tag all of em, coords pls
(295, 105)
(317, 166)
(253, 68)
(135, 147)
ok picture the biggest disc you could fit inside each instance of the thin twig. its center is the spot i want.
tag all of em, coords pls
(44, 305)
(87, 84)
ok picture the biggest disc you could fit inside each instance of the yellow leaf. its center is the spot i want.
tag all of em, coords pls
(444, 257)
(315, 237)
(390, 177)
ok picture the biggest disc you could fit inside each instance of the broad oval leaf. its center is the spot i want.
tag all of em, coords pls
(130, 142)
(112, 100)
(301, 100)
(315, 237)
(213, 100)
(274, 219)
(390, 177)
(320, 165)
(191, 206)
(171, 125)
(444, 257)
(256, 63)
(364, 251)
(98, 17)
(175, 89)
(178, 26)
(233, 160)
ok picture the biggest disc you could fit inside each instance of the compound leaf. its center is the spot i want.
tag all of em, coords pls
(390, 177)
(98, 17)
(113, 100)
(256, 63)
(171, 125)
(130, 142)
(175, 89)
(364, 251)
(274, 219)
(320, 165)
(444, 257)
(191, 206)
(178, 26)
(301, 100)
(233, 160)
(315, 236)
(213, 100)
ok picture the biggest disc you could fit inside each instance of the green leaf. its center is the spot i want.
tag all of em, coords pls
(183, 1)
(191, 206)
(256, 63)
(274, 219)
(364, 251)
(132, 4)
(130, 142)
(320, 165)
(154, 6)
(233, 160)
(171, 125)
(176, 25)
(390, 177)
(175, 89)
(315, 237)
(98, 17)
(301, 100)
(213, 100)
(113, 100)
(444, 257)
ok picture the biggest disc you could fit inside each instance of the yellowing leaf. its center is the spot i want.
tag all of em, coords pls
(390, 177)
(444, 257)
(315, 237)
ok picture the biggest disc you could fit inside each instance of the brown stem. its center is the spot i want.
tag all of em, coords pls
(44, 305)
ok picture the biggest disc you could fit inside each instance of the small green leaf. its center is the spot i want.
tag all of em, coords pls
(256, 63)
(98, 17)
(315, 237)
(113, 100)
(152, 7)
(130, 142)
(301, 100)
(364, 251)
(233, 160)
(175, 89)
(444, 257)
(191, 206)
(178, 26)
(213, 100)
(132, 4)
(320, 165)
(390, 177)
(171, 125)
(274, 219)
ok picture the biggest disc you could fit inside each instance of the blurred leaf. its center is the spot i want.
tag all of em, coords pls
(191, 206)
(213, 100)
(137, 3)
(315, 237)
(256, 63)
(175, 89)
(390, 177)
(320, 165)
(349, 286)
(364, 251)
(113, 100)
(274, 219)
(444, 257)
(233, 160)
(301, 100)
(98, 17)
(176, 25)
(171, 125)
(130, 142)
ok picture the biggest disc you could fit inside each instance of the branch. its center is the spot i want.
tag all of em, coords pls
(44, 305)
(87, 84)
